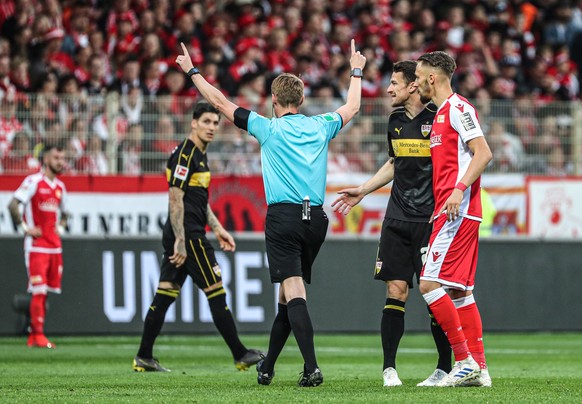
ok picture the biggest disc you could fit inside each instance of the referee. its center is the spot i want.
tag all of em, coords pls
(294, 164)
(406, 229)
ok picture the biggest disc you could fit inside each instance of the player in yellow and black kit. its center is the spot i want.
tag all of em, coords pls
(406, 229)
(187, 251)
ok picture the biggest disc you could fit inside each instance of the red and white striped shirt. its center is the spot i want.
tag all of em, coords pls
(455, 124)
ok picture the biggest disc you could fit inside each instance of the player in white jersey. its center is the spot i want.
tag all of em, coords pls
(459, 155)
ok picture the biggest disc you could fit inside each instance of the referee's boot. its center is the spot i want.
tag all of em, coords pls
(312, 379)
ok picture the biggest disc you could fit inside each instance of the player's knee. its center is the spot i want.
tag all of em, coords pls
(397, 290)
(165, 285)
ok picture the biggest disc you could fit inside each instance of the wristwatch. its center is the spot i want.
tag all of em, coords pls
(193, 71)
(356, 72)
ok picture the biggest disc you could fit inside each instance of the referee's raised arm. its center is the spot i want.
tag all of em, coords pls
(213, 95)
(352, 105)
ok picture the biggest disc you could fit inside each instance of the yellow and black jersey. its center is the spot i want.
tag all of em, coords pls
(409, 144)
(188, 170)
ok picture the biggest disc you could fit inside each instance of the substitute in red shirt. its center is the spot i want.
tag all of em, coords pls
(43, 197)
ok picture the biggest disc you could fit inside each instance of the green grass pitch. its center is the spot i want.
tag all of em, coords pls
(535, 368)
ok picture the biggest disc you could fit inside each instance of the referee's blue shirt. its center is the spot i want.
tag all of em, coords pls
(294, 154)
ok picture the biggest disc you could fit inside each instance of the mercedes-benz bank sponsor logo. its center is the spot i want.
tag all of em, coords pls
(131, 279)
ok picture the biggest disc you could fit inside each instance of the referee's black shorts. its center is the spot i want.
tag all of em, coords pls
(200, 263)
(292, 245)
(402, 250)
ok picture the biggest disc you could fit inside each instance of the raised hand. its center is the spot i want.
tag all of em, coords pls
(184, 60)
(357, 60)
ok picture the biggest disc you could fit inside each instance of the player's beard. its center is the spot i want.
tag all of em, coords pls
(54, 170)
(424, 99)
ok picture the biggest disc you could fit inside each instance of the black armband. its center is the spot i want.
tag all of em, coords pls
(241, 118)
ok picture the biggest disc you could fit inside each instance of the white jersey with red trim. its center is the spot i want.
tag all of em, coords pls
(455, 124)
(42, 200)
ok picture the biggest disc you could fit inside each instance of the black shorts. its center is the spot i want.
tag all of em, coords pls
(402, 250)
(292, 245)
(200, 264)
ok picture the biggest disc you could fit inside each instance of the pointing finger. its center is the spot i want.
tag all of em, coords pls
(353, 46)
(184, 49)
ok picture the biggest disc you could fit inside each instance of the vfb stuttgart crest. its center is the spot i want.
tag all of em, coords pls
(425, 130)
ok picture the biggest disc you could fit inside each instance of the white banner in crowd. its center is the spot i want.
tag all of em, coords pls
(555, 207)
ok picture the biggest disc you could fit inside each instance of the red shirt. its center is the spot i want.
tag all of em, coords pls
(455, 123)
(42, 200)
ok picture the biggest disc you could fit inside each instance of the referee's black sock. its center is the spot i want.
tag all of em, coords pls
(154, 320)
(224, 322)
(391, 330)
(279, 333)
(442, 344)
(303, 331)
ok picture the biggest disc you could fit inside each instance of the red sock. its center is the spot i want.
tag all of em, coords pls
(37, 313)
(473, 328)
(446, 315)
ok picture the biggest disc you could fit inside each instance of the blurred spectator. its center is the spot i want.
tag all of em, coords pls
(9, 123)
(132, 104)
(129, 151)
(19, 159)
(130, 76)
(159, 146)
(556, 163)
(95, 83)
(73, 102)
(508, 152)
(19, 76)
(94, 161)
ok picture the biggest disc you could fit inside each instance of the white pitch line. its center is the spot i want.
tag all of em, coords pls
(340, 350)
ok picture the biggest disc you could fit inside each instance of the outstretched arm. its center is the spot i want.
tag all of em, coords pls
(225, 239)
(350, 197)
(213, 95)
(352, 105)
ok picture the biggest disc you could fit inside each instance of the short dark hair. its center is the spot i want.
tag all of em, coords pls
(407, 68)
(440, 60)
(202, 108)
(47, 149)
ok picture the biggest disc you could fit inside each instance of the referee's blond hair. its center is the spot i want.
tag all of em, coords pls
(288, 89)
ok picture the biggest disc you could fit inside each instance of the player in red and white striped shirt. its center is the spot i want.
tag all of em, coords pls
(43, 196)
(459, 155)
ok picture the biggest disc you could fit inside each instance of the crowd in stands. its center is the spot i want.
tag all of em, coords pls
(61, 61)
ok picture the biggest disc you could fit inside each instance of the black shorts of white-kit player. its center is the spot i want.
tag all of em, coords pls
(292, 243)
(402, 250)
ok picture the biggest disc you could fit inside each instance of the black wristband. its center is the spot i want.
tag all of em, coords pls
(356, 72)
(193, 71)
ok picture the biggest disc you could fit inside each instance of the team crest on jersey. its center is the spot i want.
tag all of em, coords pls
(440, 119)
(425, 129)
(329, 117)
(181, 172)
(58, 193)
(216, 270)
